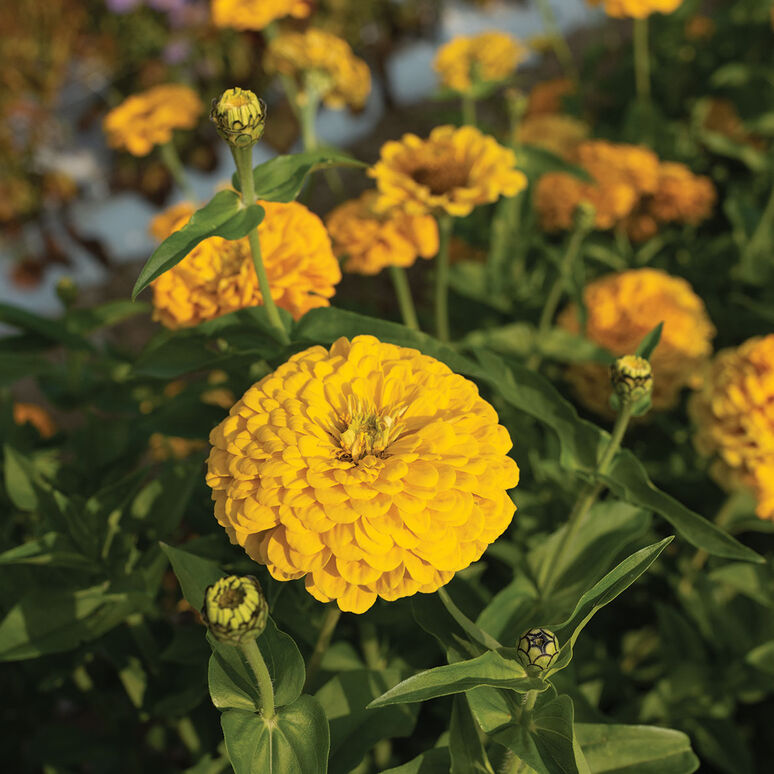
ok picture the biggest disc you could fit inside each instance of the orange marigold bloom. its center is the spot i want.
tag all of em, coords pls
(556, 133)
(368, 469)
(622, 308)
(318, 60)
(489, 57)
(681, 196)
(636, 9)
(546, 96)
(35, 415)
(369, 241)
(256, 14)
(734, 416)
(145, 120)
(453, 170)
(218, 275)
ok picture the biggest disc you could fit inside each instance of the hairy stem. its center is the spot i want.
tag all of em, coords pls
(254, 658)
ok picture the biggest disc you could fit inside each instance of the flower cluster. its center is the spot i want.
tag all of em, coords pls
(321, 62)
(218, 276)
(368, 241)
(256, 14)
(622, 308)
(636, 9)
(145, 120)
(489, 57)
(452, 171)
(734, 418)
(368, 469)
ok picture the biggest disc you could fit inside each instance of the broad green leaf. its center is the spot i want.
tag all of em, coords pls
(762, 657)
(19, 475)
(435, 761)
(493, 708)
(53, 330)
(468, 755)
(488, 669)
(296, 741)
(52, 550)
(224, 216)
(194, 573)
(650, 342)
(619, 749)
(430, 614)
(355, 730)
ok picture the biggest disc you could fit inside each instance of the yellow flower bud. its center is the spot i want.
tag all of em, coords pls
(632, 378)
(538, 648)
(239, 117)
(235, 609)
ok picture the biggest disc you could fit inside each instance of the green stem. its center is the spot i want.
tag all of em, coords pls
(547, 575)
(403, 294)
(252, 654)
(762, 235)
(445, 225)
(558, 43)
(307, 116)
(172, 162)
(468, 110)
(243, 158)
(642, 60)
(369, 644)
(332, 615)
(505, 224)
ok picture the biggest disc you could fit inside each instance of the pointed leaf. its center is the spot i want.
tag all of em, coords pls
(468, 755)
(194, 573)
(650, 342)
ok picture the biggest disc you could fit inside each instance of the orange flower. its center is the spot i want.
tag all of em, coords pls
(256, 14)
(35, 415)
(681, 196)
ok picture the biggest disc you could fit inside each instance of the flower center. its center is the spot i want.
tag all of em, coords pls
(368, 431)
(440, 177)
(231, 598)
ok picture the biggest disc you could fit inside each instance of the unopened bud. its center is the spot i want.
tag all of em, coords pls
(235, 609)
(67, 292)
(632, 378)
(537, 648)
(585, 216)
(239, 117)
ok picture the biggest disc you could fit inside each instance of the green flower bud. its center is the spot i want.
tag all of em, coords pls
(585, 216)
(67, 291)
(632, 378)
(235, 609)
(537, 648)
(239, 117)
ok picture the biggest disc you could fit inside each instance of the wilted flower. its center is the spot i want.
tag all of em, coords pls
(489, 57)
(256, 14)
(367, 469)
(35, 415)
(537, 648)
(145, 120)
(218, 275)
(636, 9)
(622, 309)
(239, 117)
(453, 170)
(369, 241)
(235, 609)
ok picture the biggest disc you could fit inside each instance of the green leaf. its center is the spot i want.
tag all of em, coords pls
(489, 669)
(83, 321)
(296, 741)
(53, 330)
(762, 658)
(160, 504)
(468, 755)
(224, 216)
(435, 761)
(52, 550)
(619, 749)
(194, 573)
(650, 342)
(19, 474)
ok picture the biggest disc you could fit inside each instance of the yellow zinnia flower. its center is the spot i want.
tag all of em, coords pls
(317, 60)
(734, 416)
(218, 275)
(489, 57)
(256, 14)
(369, 241)
(145, 120)
(35, 415)
(454, 170)
(622, 308)
(369, 469)
(636, 9)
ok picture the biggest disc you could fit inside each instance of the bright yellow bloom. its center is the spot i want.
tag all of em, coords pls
(256, 14)
(734, 416)
(454, 170)
(489, 57)
(546, 96)
(145, 120)
(320, 61)
(369, 241)
(556, 133)
(35, 415)
(622, 309)
(218, 275)
(368, 469)
(636, 9)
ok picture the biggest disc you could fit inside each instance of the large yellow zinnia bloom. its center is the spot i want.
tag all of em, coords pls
(145, 120)
(367, 469)
(485, 58)
(636, 9)
(622, 309)
(256, 14)
(453, 171)
(218, 275)
(369, 241)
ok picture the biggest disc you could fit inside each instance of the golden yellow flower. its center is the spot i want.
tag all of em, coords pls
(145, 120)
(622, 308)
(636, 9)
(367, 469)
(734, 416)
(218, 276)
(546, 96)
(320, 61)
(454, 170)
(556, 133)
(35, 415)
(369, 241)
(256, 14)
(681, 196)
(489, 57)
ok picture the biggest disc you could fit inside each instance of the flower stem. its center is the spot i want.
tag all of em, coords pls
(468, 110)
(558, 43)
(642, 60)
(403, 293)
(445, 224)
(254, 658)
(332, 615)
(369, 644)
(763, 231)
(171, 159)
(547, 575)
(243, 158)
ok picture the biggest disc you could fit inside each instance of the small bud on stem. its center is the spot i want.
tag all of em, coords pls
(235, 609)
(239, 117)
(538, 648)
